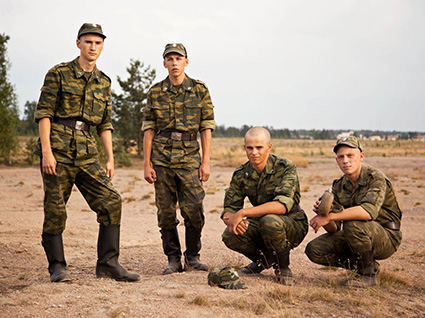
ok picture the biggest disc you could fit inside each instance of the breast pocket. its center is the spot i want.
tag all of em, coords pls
(192, 114)
(162, 114)
(71, 101)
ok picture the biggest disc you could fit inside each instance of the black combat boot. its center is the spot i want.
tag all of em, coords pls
(171, 246)
(260, 261)
(108, 250)
(53, 246)
(368, 270)
(193, 246)
(282, 270)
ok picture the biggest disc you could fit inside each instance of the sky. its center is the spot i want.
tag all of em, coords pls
(306, 64)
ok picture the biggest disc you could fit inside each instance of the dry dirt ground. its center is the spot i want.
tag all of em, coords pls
(25, 289)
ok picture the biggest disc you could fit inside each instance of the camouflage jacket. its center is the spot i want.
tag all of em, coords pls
(186, 109)
(373, 192)
(67, 94)
(277, 182)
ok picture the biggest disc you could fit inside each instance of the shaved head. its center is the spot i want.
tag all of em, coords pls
(256, 132)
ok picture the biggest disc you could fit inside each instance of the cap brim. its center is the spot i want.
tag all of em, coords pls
(234, 285)
(93, 32)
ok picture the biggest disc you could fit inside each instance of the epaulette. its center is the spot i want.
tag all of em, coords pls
(109, 79)
(200, 82)
(58, 66)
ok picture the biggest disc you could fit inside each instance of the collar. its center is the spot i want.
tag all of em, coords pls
(269, 169)
(361, 180)
(187, 85)
(79, 72)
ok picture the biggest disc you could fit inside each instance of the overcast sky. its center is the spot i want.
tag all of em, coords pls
(333, 64)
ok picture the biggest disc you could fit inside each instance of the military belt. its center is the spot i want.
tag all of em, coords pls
(76, 124)
(174, 135)
(392, 226)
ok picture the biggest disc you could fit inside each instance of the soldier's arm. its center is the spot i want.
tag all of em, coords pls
(149, 172)
(48, 161)
(106, 139)
(204, 169)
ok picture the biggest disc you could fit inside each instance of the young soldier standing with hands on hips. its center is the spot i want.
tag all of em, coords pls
(177, 108)
(74, 97)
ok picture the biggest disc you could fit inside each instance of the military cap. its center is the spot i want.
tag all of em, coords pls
(225, 277)
(175, 48)
(91, 28)
(351, 142)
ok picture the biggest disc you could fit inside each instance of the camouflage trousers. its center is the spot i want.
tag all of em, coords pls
(180, 185)
(272, 232)
(93, 184)
(356, 237)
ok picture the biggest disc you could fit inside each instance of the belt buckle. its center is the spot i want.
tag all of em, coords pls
(176, 136)
(80, 125)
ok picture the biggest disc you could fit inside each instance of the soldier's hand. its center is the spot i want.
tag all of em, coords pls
(149, 174)
(316, 206)
(49, 164)
(204, 172)
(318, 221)
(110, 170)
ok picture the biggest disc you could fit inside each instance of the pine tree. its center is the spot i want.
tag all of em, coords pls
(128, 107)
(8, 106)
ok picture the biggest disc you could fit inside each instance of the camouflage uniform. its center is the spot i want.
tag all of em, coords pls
(183, 109)
(272, 232)
(375, 194)
(69, 93)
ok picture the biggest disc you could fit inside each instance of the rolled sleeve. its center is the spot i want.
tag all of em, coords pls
(149, 124)
(287, 202)
(207, 124)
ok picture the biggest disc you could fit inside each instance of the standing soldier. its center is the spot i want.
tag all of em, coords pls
(177, 108)
(267, 231)
(74, 97)
(364, 222)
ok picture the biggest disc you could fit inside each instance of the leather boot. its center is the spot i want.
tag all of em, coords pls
(171, 246)
(282, 270)
(260, 261)
(53, 246)
(193, 246)
(368, 270)
(108, 250)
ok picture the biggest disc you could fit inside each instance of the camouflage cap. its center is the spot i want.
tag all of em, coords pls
(225, 277)
(91, 28)
(175, 48)
(351, 142)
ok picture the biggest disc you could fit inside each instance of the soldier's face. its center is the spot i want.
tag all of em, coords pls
(257, 150)
(175, 64)
(349, 160)
(90, 45)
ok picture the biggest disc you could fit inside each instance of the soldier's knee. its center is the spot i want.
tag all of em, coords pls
(270, 223)
(354, 228)
(313, 252)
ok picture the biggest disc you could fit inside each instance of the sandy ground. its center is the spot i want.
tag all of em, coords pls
(25, 289)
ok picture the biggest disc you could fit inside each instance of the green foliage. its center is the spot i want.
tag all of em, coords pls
(27, 125)
(128, 107)
(8, 106)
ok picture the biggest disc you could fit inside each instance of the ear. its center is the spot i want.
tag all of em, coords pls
(164, 63)
(78, 42)
(361, 156)
(186, 62)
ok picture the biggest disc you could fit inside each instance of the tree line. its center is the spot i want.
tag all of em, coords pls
(127, 115)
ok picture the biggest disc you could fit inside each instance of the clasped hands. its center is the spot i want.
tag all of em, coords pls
(236, 222)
